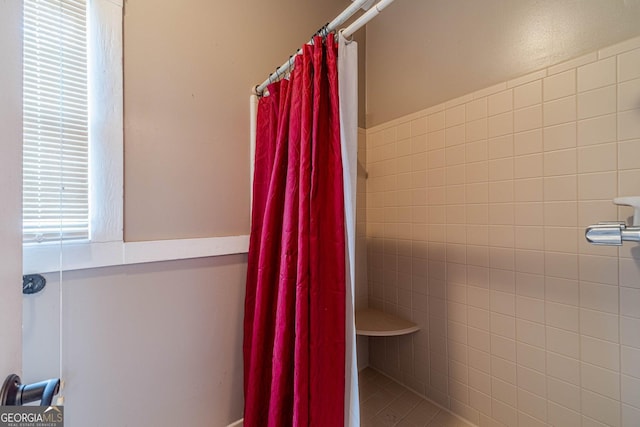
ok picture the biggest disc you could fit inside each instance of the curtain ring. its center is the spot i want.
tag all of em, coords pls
(347, 40)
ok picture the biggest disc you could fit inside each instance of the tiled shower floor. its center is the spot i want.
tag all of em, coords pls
(384, 402)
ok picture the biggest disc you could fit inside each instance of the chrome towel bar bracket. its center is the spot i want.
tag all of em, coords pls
(613, 233)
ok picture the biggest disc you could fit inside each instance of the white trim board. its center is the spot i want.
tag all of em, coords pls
(45, 258)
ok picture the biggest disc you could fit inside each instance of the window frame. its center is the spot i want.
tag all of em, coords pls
(106, 164)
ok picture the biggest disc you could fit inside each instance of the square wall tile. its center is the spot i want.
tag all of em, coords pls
(630, 361)
(596, 186)
(435, 140)
(454, 135)
(563, 342)
(604, 354)
(527, 237)
(597, 158)
(418, 143)
(504, 326)
(562, 316)
(528, 142)
(600, 297)
(630, 390)
(505, 414)
(561, 265)
(529, 261)
(502, 280)
(476, 109)
(479, 381)
(500, 147)
(503, 369)
(629, 272)
(532, 404)
(563, 393)
(629, 65)
(501, 191)
(531, 309)
(628, 331)
(436, 121)
(530, 285)
(476, 151)
(504, 391)
(477, 193)
(502, 258)
(561, 416)
(597, 130)
(629, 302)
(501, 169)
(629, 124)
(561, 214)
(527, 118)
(559, 111)
(561, 239)
(500, 102)
(532, 357)
(403, 130)
(435, 159)
(562, 290)
(476, 130)
(600, 408)
(562, 162)
(597, 102)
(560, 136)
(480, 401)
(597, 74)
(563, 367)
(503, 303)
(628, 185)
(417, 127)
(528, 213)
(629, 154)
(629, 95)
(455, 155)
(501, 236)
(455, 116)
(501, 124)
(527, 94)
(630, 415)
(530, 190)
(476, 172)
(599, 325)
(559, 85)
(561, 188)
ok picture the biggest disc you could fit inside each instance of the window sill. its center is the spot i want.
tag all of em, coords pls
(80, 256)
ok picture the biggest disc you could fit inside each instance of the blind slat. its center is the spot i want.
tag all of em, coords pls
(55, 124)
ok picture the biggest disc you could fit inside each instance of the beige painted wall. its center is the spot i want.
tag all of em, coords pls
(11, 187)
(421, 53)
(153, 344)
(189, 69)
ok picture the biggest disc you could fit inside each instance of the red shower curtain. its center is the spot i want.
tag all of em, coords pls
(294, 330)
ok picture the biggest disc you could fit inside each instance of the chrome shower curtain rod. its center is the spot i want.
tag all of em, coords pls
(332, 26)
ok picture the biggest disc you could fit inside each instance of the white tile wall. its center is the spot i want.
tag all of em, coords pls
(475, 211)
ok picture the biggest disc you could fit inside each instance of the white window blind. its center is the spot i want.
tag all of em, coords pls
(56, 151)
